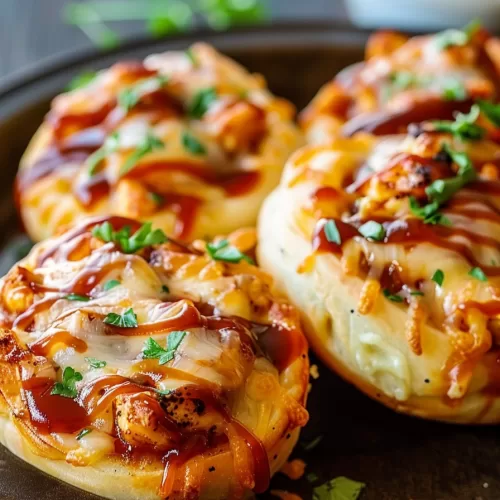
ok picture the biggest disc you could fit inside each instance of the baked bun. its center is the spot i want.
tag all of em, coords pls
(390, 248)
(137, 369)
(405, 80)
(187, 140)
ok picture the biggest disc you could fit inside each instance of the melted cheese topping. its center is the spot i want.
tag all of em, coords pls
(192, 143)
(236, 381)
(404, 80)
(377, 304)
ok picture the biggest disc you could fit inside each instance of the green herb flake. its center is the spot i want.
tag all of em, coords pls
(111, 145)
(153, 350)
(129, 98)
(312, 477)
(441, 190)
(192, 58)
(225, 252)
(393, 298)
(373, 230)
(417, 293)
(67, 387)
(110, 284)
(454, 90)
(126, 320)
(478, 273)
(144, 237)
(95, 363)
(429, 213)
(77, 298)
(438, 277)
(165, 289)
(491, 111)
(340, 488)
(149, 144)
(464, 126)
(201, 102)
(450, 38)
(157, 198)
(192, 144)
(81, 81)
(310, 445)
(83, 433)
(331, 232)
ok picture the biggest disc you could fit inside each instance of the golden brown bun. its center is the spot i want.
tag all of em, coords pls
(372, 305)
(188, 140)
(405, 80)
(189, 372)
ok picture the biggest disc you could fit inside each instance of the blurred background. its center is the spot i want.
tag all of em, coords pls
(31, 30)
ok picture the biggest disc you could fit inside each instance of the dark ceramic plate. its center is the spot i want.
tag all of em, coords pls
(397, 457)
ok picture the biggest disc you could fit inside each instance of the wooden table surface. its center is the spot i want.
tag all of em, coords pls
(31, 30)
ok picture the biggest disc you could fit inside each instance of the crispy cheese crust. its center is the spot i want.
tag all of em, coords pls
(407, 307)
(188, 140)
(405, 80)
(210, 412)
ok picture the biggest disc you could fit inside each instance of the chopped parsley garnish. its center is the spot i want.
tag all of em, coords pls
(153, 350)
(67, 387)
(95, 363)
(332, 233)
(76, 297)
(165, 289)
(429, 213)
(312, 477)
(126, 320)
(192, 58)
(464, 126)
(450, 38)
(441, 190)
(201, 102)
(478, 273)
(149, 144)
(130, 97)
(145, 236)
(417, 293)
(157, 198)
(401, 80)
(83, 433)
(340, 488)
(373, 230)
(454, 90)
(390, 296)
(110, 284)
(192, 144)
(82, 80)
(491, 111)
(438, 277)
(111, 144)
(310, 445)
(225, 252)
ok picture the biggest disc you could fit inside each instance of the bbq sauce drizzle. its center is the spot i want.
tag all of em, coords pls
(77, 136)
(409, 232)
(51, 413)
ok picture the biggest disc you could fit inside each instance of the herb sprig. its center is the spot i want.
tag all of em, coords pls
(225, 252)
(67, 387)
(126, 320)
(148, 145)
(153, 350)
(144, 237)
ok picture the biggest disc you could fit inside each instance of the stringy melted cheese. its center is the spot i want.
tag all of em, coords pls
(210, 183)
(243, 357)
